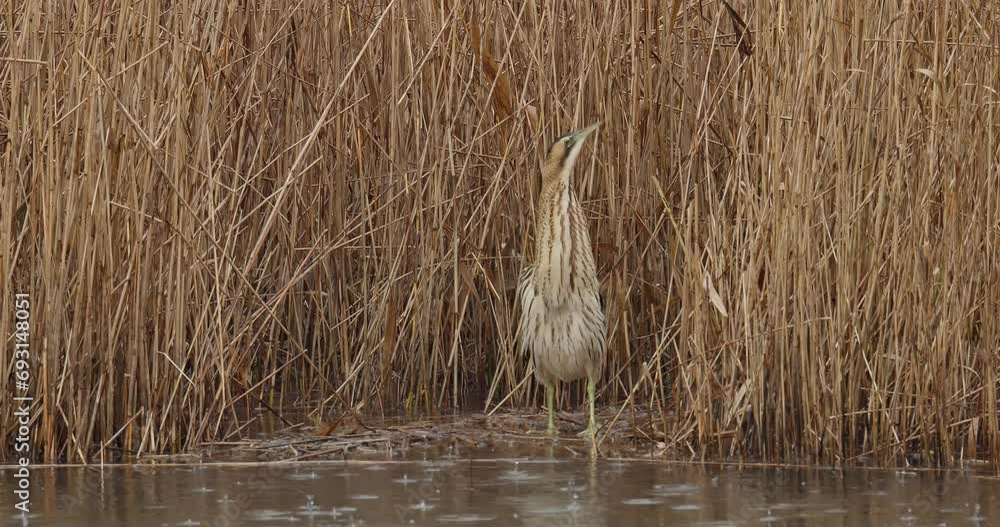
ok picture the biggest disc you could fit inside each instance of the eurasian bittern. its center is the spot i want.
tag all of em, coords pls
(562, 321)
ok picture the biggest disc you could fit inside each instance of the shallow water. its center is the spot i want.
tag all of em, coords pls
(494, 487)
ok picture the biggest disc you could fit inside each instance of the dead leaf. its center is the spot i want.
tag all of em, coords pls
(469, 280)
(713, 295)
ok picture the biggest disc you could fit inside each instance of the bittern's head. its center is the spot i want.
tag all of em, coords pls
(564, 151)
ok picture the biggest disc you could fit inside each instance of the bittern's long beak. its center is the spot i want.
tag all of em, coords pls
(581, 135)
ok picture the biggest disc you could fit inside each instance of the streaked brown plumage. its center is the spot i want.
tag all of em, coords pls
(562, 321)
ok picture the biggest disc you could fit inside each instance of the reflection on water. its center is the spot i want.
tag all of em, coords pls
(503, 487)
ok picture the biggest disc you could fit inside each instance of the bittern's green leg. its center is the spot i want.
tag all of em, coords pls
(550, 399)
(591, 430)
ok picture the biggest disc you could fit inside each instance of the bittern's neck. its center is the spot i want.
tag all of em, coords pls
(560, 236)
(557, 177)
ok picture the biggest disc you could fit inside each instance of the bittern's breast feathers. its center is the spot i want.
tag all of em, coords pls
(562, 320)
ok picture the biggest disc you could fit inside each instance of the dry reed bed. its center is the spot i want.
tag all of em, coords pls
(215, 204)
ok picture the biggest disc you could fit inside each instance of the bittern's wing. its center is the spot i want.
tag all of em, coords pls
(526, 299)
